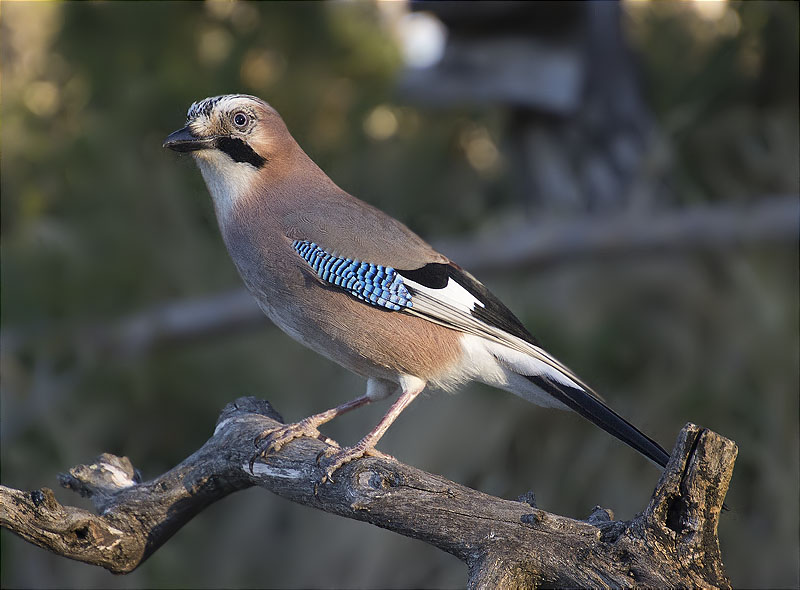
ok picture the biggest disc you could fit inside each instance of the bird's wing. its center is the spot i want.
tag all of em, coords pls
(445, 294)
(348, 228)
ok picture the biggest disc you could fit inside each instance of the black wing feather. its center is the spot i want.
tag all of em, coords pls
(493, 312)
(597, 412)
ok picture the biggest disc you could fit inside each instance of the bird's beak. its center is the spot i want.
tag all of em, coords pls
(183, 140)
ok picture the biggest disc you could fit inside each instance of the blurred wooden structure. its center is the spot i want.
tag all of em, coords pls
(581, 135)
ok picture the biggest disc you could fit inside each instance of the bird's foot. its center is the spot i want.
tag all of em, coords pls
(272, 440)
(334, 458)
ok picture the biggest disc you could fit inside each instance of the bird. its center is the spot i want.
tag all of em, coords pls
(360, 288)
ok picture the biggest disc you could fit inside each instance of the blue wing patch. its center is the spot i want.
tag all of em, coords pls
(376, 284)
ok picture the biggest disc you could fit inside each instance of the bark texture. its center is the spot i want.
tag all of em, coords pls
(504, 543)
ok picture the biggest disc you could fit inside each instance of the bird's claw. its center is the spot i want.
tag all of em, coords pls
(333, 457)
(272, 440)
(336, 458)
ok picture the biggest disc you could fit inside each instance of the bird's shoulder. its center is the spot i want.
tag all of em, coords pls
(350, 228)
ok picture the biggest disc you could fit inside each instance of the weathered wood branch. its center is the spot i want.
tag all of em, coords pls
(504, 543)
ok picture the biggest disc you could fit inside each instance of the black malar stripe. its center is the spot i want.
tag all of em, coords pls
(239, 151)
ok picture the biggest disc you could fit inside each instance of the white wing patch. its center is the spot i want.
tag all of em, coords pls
(453, 294)
(514, 353)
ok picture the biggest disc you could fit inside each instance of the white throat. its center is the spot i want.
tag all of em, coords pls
(227, 181)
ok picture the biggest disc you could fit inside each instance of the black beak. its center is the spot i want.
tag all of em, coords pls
(182, 140)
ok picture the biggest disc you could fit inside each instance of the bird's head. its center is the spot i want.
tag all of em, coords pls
(234, 138)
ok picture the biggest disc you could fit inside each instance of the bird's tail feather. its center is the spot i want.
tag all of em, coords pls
(593, 409)
(560, 385)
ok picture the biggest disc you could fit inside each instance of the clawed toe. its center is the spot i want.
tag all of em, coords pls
(373, 452)
(336, 458)
(272, 440)
(263, 436)
(332, 458)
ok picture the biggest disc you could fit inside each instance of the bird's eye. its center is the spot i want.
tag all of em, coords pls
(240, 119)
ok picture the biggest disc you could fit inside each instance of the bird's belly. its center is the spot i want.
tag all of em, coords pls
(365, 339)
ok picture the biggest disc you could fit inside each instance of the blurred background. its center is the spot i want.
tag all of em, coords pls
(624, 176)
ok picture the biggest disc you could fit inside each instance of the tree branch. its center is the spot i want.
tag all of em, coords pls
(504, 543)
(709, 227)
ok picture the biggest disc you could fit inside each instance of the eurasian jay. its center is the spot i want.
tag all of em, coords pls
(359, 287)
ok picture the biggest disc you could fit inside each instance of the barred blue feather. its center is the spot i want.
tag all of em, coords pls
(378, 285)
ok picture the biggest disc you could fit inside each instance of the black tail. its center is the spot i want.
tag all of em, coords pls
(595, 410)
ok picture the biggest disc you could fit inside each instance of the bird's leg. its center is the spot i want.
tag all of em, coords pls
(411, 389)
(272, 439)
